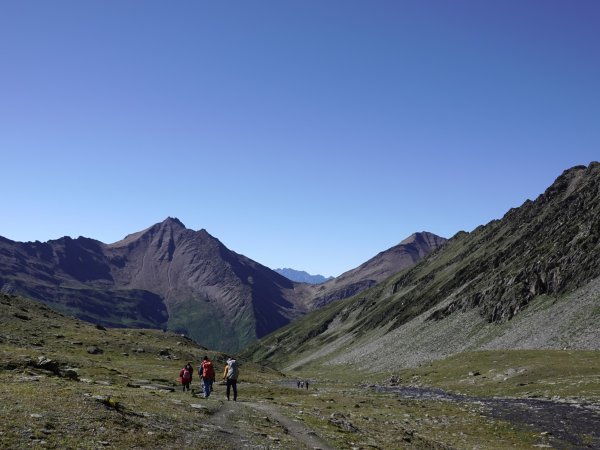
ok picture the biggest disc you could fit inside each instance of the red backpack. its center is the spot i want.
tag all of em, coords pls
(208, 370)
(186, 376)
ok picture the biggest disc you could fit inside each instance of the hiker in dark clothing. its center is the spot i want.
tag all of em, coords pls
(230, 375)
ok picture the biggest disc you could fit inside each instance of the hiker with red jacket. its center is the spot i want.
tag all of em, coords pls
(207, 372)
(185, 376)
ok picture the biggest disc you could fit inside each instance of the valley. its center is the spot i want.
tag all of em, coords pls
(486, 340)
(71, 384)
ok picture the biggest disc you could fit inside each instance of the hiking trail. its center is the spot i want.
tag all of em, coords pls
(258, 424)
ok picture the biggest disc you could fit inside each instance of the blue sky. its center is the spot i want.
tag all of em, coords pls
(304, 134)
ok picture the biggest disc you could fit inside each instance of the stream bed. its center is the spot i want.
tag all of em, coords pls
(571, 424)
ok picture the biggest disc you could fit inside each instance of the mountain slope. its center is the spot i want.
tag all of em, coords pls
(385, 264)
(302, 276)
(164, 276)
(231, 296)
(167, 276)
(544, 254)
(73, 276)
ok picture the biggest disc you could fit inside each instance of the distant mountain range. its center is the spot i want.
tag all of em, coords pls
(169, 277)
(301, 276)
(165, 276)
(528, 280)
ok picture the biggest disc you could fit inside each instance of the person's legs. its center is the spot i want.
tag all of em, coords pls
(206, 382)
(234, 386)
(228, 388)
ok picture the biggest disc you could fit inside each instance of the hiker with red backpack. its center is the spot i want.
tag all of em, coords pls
(185, 376)
(206, 370)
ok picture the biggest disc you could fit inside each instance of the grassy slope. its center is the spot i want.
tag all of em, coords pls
(103, 407)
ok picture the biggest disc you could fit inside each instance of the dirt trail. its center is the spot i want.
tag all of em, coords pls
(295, 428)
(235, 421)
(570, 425)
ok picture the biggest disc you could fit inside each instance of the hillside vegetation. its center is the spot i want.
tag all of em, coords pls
(528, 280)
(66, 384)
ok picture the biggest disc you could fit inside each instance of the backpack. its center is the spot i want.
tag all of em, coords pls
(187, 376)
(233, 371)
(208, 370)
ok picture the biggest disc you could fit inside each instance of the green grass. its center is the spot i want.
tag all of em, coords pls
(519, 373)
(207, 325)
(40, 408)
(384, 421)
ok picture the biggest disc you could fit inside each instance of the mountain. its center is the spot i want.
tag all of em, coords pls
(375, 270)
(528, 280)
(165, 276)
(301, 276)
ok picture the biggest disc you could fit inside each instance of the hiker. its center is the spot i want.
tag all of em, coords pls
(185, 376)
(207, 372)
(298, 384)
(306, 384)
(230, 374)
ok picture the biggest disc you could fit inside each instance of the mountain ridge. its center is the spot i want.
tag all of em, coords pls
(539, 254)
(378, 268)
(164, 276)
(301, 276)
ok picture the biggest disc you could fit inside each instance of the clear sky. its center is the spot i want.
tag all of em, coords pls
(308, 134)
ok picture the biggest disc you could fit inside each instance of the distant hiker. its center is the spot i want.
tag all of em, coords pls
(302, 384)
(185, 376)
(306, 384)
(230, 374)
(298, 384)
(207, 372)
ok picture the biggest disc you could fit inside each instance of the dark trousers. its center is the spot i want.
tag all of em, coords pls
(232, 384)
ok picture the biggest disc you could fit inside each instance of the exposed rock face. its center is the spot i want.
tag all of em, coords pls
(549, 246)
(168, 276)
(545, 252)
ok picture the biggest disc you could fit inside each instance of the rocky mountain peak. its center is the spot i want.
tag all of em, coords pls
(569, 181)
(424, 238)
(170, 226)
(172, 222)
